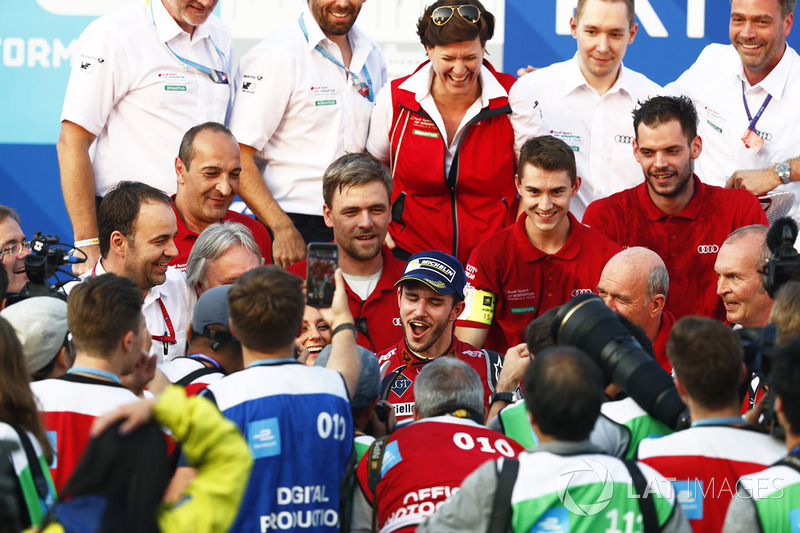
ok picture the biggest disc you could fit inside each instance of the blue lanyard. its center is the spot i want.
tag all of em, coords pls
(269, 362)
(719, 421)
(217, 76)
(754, 120)
(207, 359)
(365, 86)
(94, 372)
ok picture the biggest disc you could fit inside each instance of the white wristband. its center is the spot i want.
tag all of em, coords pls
(87, 242)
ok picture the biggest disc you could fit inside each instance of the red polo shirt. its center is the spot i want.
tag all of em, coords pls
(186, 237)
(379, 311)
(527, 282)
(688, 242)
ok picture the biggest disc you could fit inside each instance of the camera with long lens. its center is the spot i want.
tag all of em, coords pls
(587, 323)
(49, 255)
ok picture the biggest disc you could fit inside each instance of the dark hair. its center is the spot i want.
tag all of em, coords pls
(563, 392)
(537, 333)
(120, 208)
(17, 404)
(787, 6)
(186, 150)
(352, 170)
(707, 357)
(628, 4)
(548, 153)
(266, 308)
(786, 381)
(661, 109)
(456, 29)
(101, 310)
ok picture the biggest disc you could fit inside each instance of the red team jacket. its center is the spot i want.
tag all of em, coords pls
(416, 480)
(432, 210)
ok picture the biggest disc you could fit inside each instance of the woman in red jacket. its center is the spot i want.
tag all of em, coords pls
(447, 134)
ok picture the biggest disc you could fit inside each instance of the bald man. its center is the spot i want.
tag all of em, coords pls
(740, 260)
(634, 283)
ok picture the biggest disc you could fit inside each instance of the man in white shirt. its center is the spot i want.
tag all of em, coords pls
(303, 98)
(587, 101)
(137, 232)
(748, 97)
(141, 76)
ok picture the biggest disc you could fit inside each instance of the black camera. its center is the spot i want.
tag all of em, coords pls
(49, 255)
(587, 323)
(782, 266)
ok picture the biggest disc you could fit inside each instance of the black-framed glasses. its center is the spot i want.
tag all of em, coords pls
(441, 15)
(15, 249)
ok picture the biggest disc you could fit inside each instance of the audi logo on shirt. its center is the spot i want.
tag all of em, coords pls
(623, 139)
(396, 321)
(707, 249)
(576, 292)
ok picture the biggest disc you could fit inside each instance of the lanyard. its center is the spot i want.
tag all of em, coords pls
(207, 359)
(719, 421)
(365, 86)
(754, 120)
(269, 362)
(169, 336)
(94, 372)
(217, 76)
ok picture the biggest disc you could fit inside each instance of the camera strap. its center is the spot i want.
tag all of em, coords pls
(374, 467)
(39, 481)
(646, 504)
(500, 521)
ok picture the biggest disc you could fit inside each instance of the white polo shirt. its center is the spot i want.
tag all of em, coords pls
(175, 295)
(598, 128)
(137, 98)
(419, 83)
(714, 83)
(300, 111)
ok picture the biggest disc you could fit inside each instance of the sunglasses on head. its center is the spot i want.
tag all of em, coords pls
(441, 15)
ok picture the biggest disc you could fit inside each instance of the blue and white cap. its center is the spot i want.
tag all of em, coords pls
(440, 271)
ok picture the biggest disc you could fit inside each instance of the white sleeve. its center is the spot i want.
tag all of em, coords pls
(99, 78)
(526, 114)
(380, 122)
(265, 83)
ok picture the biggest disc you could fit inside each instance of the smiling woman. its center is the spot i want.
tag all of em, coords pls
(453, 181)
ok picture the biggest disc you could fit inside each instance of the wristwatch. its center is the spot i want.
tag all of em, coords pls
(507, 397)
(784, 172)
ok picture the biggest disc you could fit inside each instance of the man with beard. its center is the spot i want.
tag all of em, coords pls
(137, 240)
(753, 144)
(356, 189)
(430, 295)
(673, 213)
(304, 99)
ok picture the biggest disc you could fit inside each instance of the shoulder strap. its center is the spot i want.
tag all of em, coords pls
(646, 503)
(792, 461)
(42, 488)
(500, 520)
(191, 376)
(374, 462)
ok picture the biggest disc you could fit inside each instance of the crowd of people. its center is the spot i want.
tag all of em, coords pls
(182, 381)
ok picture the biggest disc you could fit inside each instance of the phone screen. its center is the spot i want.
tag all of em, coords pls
(323, 259)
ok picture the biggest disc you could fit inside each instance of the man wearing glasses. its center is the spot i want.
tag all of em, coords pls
(304, 99)
(13, 249)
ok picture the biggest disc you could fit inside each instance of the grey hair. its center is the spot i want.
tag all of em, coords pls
(447, 383)
(753, 229)
(214, 241)
(657, 282)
